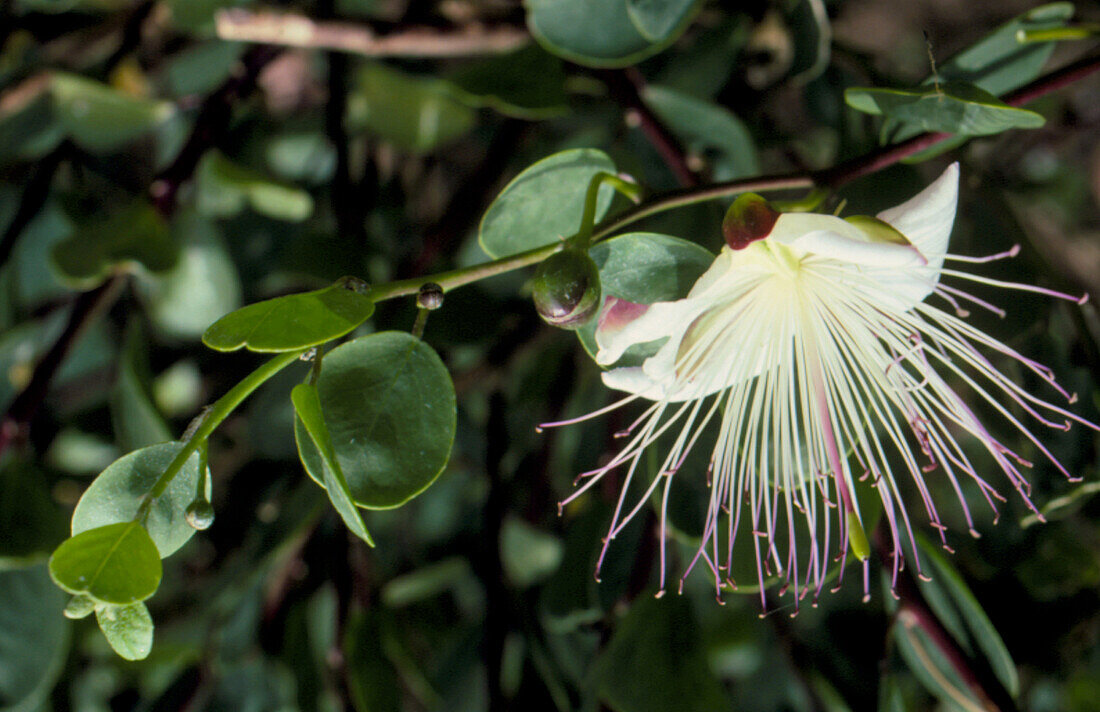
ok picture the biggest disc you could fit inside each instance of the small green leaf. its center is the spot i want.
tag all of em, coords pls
(224, 187)
(566, 28)
(119, 491)
(135, 234)
(117, 563)
(389, 405)
(702, 127)
(948, 580)
(292, 322)
(129, 629)
(543, 204)
(307, 406)
(658, 19)
(528, 83)
(34, 638)
(414, 113)
(955, 107)
(655, 662)
(100, 118)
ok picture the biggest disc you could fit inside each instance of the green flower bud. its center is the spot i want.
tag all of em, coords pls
(200, 514)
(567, 289)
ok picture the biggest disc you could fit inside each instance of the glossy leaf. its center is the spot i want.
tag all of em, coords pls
(307, 406)
(115, 496)
(225, 187)
(34, 637)
(564, 27)
(100, 118)
(117, 563)
(985, 635)
(543, 204)
(292, 322)
(655, 662)
(955, 107)
(414, 113)
(389, 405)
(645, 267)
(134, 234)
(703, 126)
(129, 629)
(528, 83)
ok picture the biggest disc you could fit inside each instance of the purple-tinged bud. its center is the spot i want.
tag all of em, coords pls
(567, 289)
(749, 219)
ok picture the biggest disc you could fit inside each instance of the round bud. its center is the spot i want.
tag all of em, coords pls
(430, 296)
(567, 289)
(79, 606)
(200, 514)
(749, 219)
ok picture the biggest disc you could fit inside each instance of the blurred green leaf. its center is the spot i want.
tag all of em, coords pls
(528, 83)
(117, 563)
(34, 638)
(954, 107)
(294, 321)
(135, 233)
(389, 406)
(970, 611)
(566, 28)
(31, 522)
(129, 629)
(100, 118)
(704, 126)
(930, 665)
(543, 204)
(527, 554)
(425, 582)
(811, 37)
(416, 114)
(115, 496)
(135, 419)
(655, 662)
(370, 675)
(224, 187)
(307, 406)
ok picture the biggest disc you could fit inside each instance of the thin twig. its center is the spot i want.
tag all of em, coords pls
(33, 199)
(241, 25)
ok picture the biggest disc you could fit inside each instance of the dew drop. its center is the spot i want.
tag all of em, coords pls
(200, 514)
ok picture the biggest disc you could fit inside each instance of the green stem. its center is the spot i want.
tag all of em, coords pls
(1082, 31)
(583, 238)
(214, 417)
(609, 226)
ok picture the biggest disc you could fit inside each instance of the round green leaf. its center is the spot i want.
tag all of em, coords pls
(528, 83)
(119, 490)
(129, 629)
(543, 204)
(389, 406)
(293, 322)
(117, 563)
(137, 233)
(34, 637)
(224, 187)
(607, 33)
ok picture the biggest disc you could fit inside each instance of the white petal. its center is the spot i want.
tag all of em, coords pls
(659, 321)
(859, 252)
(926, 218)
(633, 380)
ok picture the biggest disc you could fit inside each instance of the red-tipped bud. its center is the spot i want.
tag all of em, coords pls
(749, 219)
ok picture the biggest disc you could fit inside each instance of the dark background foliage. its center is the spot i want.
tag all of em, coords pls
(201, 174)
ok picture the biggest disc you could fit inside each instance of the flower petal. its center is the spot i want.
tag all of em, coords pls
(926, 218)
(633, 380)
